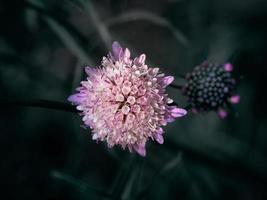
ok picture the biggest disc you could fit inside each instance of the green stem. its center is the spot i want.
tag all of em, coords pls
(56, 105)
(79, 184)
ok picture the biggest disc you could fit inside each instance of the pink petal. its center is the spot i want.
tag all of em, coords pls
(89, 70)
(160, 131)
(169, 119)
(178, 112)
(75, 98)
(167, 80)
(116, 50)
(235, 99)
(140, 149)
(127, 53)
(222, 113)
(159, 138)
(142, 59)
(228, 67)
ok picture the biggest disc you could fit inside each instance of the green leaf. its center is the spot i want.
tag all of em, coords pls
(80, 185)
(60, 29)
(150, 17)
(68, 40)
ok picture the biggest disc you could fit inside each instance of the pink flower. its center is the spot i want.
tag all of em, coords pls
(124, 101)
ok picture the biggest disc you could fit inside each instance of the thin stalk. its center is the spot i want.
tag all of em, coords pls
(41, 103)
(120, 184)
(79, 184)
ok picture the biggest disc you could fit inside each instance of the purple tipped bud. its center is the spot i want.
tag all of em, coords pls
(140, 149)
(127, 53)
(75, 98)
(160, 131)
(222, 113)
(167, 80)
(142, 59)
(235, 99)
(159, 138)
(228, 67)
(178, 112)
(89, 70)
(116, 50)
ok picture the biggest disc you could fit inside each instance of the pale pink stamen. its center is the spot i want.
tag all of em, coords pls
(222, 113)
(125, 109)
(126, 90)
(119, 97)
(136, 108)
(131, 100)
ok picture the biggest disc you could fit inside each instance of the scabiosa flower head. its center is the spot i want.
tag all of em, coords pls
(124, 102)
(210, 87)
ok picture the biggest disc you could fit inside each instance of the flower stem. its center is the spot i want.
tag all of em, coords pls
(56, 105)
(78, 184)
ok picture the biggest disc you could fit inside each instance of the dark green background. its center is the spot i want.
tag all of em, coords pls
(45, 154)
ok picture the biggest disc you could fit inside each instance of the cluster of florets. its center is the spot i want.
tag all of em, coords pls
(124, 101)
(210, 87)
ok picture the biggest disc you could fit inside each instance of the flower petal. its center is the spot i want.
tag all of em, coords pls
(89, 70)
(228, 67)
(178, 112)
(234, 99)
(75, 98)
(167, 80)
(140, 149)
(160, 131)
(142, 58)
(222, 113)
(159, 138)
(116, 50)
(169, 119)
(127, 53)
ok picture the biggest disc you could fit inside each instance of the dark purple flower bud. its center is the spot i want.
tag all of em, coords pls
(211, 87)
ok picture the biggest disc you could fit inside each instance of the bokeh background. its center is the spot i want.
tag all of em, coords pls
(45, 154)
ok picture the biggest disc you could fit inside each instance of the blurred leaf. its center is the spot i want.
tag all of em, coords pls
(80, 185)
(150, 17)
(125, 179)
(31, 19)
(134, 183)
(61, 29)
(35, 72)
(68, 40)
(242, 159)
(171, 165)
(100, 28)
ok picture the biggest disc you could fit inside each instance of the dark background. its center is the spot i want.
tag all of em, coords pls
(45, 154)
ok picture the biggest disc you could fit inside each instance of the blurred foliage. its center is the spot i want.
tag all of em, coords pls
(45, 154)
